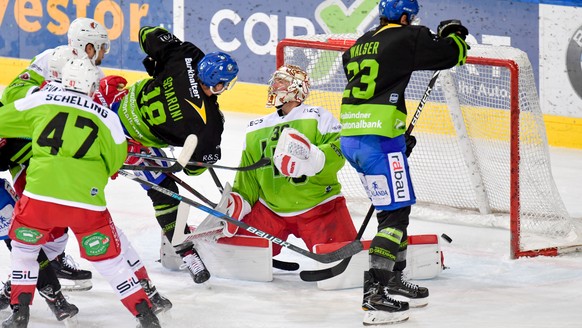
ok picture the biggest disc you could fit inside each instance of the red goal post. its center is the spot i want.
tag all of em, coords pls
(482, 143)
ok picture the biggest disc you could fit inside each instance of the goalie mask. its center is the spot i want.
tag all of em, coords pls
(288, 83)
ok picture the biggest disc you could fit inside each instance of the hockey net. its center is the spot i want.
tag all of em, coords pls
(481, 137)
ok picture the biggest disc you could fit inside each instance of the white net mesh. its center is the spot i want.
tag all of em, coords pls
(463, 155)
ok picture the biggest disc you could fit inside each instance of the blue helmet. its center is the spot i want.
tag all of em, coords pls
(217, 67)
(392, 10)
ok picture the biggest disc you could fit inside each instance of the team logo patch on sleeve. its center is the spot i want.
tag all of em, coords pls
(399, 177)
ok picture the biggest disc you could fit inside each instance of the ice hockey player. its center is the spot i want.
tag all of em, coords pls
(303, 142)
(180, 99)
(60, 57)
(88, 37)
(65, 126)
(48, 284)
(373, 117)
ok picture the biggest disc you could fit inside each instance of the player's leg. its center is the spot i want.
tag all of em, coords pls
(99, 243)
(23, 281)
(166, 209)
(326, 223)
(160, 303)
(49, 288)
(47, 283)
(74, 279)
(67, 269)
(369, 156)
(389, 182)
(28, 232)
(262, 218)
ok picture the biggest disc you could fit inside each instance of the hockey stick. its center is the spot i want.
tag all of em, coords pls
(340, 254)
(190, 189)
(187, 150)
(317, 275)
(174, 168)
(422, 102)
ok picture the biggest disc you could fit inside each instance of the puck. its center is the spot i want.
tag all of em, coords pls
(447, 238)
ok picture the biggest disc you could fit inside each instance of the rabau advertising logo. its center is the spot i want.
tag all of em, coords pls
(574, 61)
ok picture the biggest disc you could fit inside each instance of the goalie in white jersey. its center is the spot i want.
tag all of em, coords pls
(300, 193)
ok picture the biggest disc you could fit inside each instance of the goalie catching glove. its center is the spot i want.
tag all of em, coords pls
(237, 207)
(296, 156)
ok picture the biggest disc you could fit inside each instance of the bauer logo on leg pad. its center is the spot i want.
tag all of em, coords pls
(400, 188)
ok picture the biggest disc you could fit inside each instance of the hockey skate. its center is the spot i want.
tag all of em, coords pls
(194, 264)
(70, 276)
(160, 304)
(20, 313)
(56, 301)
(379, 307)
(415, 295)
(146, 317)
(5, 296)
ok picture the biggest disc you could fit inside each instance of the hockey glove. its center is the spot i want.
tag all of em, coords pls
(236, 207)
(111, 89)
(410, 143)
(295, 155)
(451, 26)
(137, 148)
(150, 65)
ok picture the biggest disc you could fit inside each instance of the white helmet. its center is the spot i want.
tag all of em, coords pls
(297, 88)
(86, 30)
(81, 75)
(61, 55)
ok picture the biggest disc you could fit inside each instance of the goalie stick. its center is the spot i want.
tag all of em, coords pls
(176, 168)
(318, 275)
(342, 253)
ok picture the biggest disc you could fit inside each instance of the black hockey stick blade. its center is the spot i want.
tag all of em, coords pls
(337, 255)
(318, 275)
(177, 168)
(286, 266)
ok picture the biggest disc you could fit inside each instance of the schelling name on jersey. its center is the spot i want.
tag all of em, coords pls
(78, 101)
